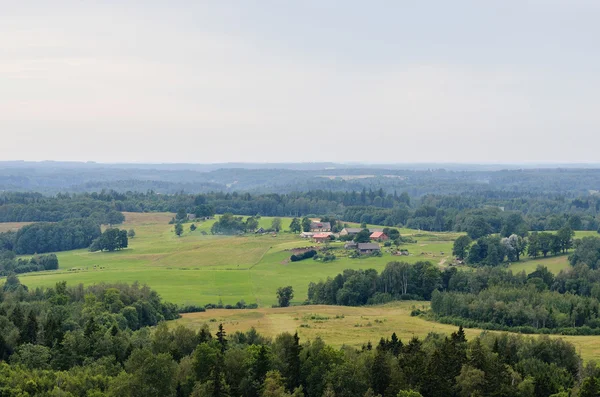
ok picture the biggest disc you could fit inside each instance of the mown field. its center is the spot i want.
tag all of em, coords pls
(353, 326)
(198, 268)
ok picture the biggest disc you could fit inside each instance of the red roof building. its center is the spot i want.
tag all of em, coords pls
(321, 237)
(379, 236)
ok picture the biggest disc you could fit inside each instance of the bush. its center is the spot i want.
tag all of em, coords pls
(324, 258)
(416, 312)
(380, 298)
(191, 309)
(306, 255)
(239, 305)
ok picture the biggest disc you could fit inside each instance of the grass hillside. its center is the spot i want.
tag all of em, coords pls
(343, 325)
(200, 268)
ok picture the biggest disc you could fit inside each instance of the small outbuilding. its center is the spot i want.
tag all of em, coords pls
(368, 248)
(320, 227)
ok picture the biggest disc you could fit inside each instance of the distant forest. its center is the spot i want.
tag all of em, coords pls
(416, 180)
(478, 213)
(478, 201)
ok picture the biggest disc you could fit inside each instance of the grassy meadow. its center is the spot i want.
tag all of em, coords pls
(343, 325)
(200, 268)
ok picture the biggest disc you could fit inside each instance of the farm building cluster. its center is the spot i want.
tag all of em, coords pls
(320, 232)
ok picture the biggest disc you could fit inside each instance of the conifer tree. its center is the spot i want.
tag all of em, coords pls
(221, 338)
(17, 317)
(30, 329)
(381, 370)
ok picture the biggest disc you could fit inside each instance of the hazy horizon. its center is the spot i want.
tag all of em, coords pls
(467, 82)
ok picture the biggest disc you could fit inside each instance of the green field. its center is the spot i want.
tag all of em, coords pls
(199, 269)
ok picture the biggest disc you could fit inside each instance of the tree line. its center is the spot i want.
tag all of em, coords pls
(51, 237)
(475, 212)
(34, 207)
(567, 303)
(67, 341)
(399, 280)
(9, 263)
(494, 250)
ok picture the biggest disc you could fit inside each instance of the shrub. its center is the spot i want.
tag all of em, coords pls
(416, 312)
(191, 309)
(380, 298)
(306, 255)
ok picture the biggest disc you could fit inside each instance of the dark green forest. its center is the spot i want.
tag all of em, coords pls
(97, 341)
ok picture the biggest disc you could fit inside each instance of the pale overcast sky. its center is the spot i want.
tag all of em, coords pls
(268, 81)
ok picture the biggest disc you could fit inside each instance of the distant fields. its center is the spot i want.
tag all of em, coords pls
(343, 325)
(200, 269)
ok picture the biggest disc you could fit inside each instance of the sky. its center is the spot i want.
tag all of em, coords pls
(498, 81)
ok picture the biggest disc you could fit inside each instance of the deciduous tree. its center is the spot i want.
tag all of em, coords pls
(285, 295)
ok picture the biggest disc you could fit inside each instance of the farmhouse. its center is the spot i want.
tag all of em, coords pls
(320, 227)
(351, 245)
(260, 230)
(367, 248)
(378, 236)
(321, 237)
(306, 234)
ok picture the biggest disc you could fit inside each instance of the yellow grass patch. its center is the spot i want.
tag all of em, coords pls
(343, 325)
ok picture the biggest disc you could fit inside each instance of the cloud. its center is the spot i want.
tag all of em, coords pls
(221, 84)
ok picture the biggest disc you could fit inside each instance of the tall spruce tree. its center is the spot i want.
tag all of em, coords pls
(221, 339)
(380, 371)
(30, 329)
